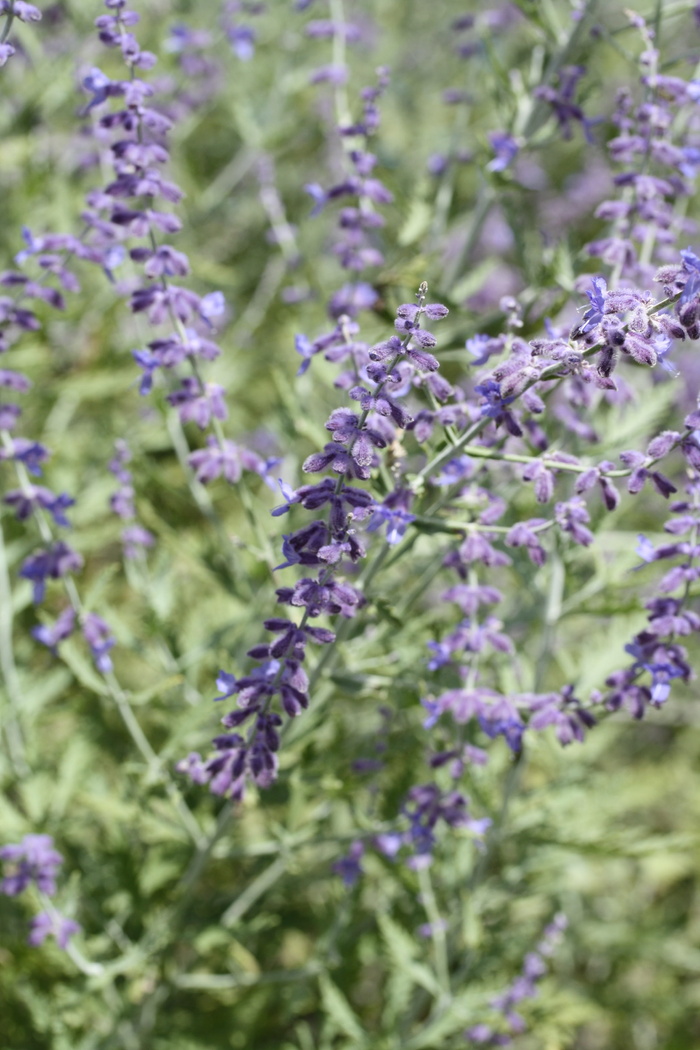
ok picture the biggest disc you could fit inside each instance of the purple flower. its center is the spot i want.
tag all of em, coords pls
(597, 295)
(482, 346)
(427, 806)
(661, 665)
(351, 299)
(501, 719)
(307, 350)
(33, 860)
(350, 867)
(505, 149)
(496, 406)
(437, 164)
(330, 74)
(97, 84)
(135, 539)
(561, 100)
(227, 460)
(242, 40)
(46, 923)
(53, 563)
(395, 519)
(100, 639)
(212, 306)
(62, 628)
(197, 404)
(26, 501)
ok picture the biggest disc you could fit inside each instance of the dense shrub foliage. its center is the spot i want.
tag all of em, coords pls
(349, 553)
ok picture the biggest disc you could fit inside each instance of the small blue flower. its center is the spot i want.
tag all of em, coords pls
(227, 684)
(597, 296)
(211, 306)
(396, 521)
(505, 148)
(97, 84)
(692, 264)
(305, 347)
(317, 194)
(645, 549)
(662, 345)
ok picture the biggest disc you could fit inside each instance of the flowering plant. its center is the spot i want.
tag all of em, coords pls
(363, 404)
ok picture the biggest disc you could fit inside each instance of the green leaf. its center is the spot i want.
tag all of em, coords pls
(339, 1011)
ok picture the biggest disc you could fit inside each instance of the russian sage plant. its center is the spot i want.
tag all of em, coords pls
(349, 558)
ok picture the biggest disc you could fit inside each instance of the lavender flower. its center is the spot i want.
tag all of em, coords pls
(100, 639)
(349, 868)
(53, 563)
(62, 628)
(32, 861)
(560, 98)
(323, 544)
(54, 924)
(523, 987)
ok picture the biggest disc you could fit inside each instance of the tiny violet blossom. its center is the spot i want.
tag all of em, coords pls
(62, 628)
(52, 924)
(32, 861)
(100, 639)
(349, 868)
(136, 541)
(53, 562)
(396, 520)
(505, 149)
(507, 1021)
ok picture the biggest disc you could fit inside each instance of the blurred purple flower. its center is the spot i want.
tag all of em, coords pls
(46, 923)
(33, 860)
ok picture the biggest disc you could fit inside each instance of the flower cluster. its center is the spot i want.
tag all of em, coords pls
(131, 209)
(134, 537)
(659, 167)
(34, 862)
(658, 656)
(355, 247)
(623, 321)
(202, 73)
(240, 34)
(324, 544)
(523, 987)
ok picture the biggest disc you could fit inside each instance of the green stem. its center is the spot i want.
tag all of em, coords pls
(10, 17)
(12, 720)
(437, 933)
(90, 969)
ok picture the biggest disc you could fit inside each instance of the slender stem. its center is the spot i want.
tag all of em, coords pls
(254, 890)
(152, 759)
(342, 108)
(551, 617)
(12, 720)
(86, 966)
(452, 525)
(437, 932)
(485, 200)
(204, 851)
(9, 19)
